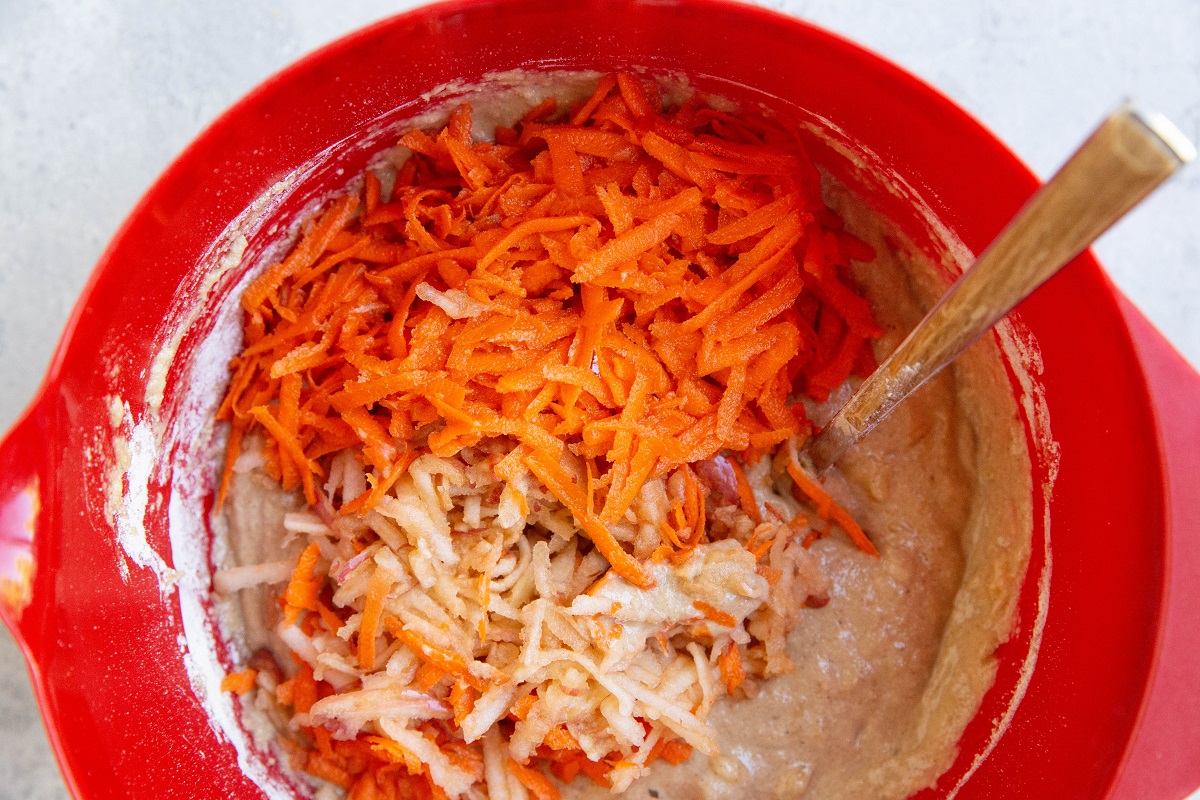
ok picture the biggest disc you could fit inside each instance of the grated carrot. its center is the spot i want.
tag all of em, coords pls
(377, 591)
(239, 682)
(303, 690)
(559, 738)
(301, 592)
(809, 490)
(729, 662)
(561, 486)
(326, 769)
(715, 614)
(676, 752)
(332, 622)
(462, 700)
(452, 663)
(605, 86)
(395, 752)
(745, 493)
(522, 707)
(428, 676)
(533, 780)
(596, 770)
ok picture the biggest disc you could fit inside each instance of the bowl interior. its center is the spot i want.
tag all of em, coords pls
(120, 687)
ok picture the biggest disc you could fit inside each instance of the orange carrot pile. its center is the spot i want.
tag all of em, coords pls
(641, 288)
(239, 682)
(619, 291)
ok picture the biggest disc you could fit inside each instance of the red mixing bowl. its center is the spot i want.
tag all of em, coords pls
(1110, 707)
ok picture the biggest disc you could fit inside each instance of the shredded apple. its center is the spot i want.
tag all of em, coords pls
(607, 317)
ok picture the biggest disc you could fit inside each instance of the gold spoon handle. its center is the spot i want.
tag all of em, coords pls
(1130, 154)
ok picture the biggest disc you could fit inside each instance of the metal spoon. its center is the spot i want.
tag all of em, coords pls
(1126, 158)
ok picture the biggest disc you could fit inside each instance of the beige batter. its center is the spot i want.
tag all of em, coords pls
(889, 673)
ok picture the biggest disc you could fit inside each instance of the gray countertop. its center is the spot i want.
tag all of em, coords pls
(97, 96)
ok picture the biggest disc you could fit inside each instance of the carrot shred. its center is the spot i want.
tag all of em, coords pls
(324, 741)
(634, 95)
(371, 193)
(333, 623)
(762, 549)
(239, 682)
(533, 780)
(291, 447)
(303, 256)
(596, 770)
(626, 247)
(304, 690)
(284, 693)
(377, 590)
(395, 752)
(809, 490)
(605, 86)
(715, 614)
(745, 493)
(428, 676)
(327, 769)
(520, 709)
(729, 662)
(452, 663)
(301, 592)
(559, 738)
(676, 752)
(232, 450)
(462, 701)
(562, 487)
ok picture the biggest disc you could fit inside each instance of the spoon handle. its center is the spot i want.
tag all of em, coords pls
(1130, 154)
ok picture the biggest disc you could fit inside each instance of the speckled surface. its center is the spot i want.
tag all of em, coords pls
(97, 96)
